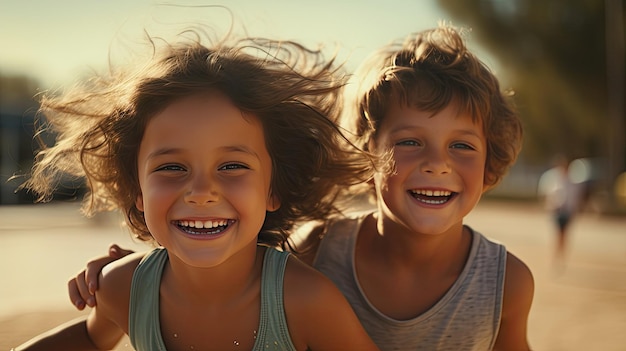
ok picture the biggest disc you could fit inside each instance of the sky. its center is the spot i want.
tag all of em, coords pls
(56, 42)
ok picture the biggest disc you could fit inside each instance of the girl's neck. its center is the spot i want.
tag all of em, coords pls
(239, 274)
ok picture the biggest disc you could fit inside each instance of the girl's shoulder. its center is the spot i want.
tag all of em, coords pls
(318, 315)
(306, 289)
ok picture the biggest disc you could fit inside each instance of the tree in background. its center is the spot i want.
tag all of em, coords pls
(17, 111)
(565, 62)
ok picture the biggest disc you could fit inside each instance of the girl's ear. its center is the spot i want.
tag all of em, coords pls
(273, 203)
(139, 202)
(370, 146)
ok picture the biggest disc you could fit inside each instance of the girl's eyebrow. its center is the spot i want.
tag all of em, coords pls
(240, 148)
(163, 151)
(230, 148)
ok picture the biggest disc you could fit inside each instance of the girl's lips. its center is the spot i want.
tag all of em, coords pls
(203, 224)
(209, 227)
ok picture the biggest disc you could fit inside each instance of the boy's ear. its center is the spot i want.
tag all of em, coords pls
(487, 187)
(139, 202)
(273, 203)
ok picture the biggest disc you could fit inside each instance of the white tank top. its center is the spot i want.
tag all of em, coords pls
(467, 317)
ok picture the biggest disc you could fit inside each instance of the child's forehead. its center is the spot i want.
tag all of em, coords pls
(427, 93)
(210, 110)
(454, 106)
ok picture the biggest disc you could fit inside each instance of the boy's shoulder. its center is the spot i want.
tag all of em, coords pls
(519, 290)
(114, 284)
(519, 279)
(309, 237)
(120, 271)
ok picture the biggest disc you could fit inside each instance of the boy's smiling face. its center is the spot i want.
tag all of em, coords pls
(439, 168)
(205, 174)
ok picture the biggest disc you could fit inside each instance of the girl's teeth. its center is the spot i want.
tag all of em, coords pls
(202, 224)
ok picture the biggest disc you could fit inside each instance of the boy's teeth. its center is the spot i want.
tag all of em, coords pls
(432, 192)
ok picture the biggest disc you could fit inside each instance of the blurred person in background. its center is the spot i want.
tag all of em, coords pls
(563, 195)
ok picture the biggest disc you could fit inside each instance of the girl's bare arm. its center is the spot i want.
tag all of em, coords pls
(95, 332)
(105, 325)
(72, 335)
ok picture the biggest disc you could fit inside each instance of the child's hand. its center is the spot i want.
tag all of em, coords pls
(83, 287)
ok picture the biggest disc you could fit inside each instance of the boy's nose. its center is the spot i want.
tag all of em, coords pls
(436, 162)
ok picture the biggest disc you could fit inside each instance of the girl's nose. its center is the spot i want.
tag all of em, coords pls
(203, 190)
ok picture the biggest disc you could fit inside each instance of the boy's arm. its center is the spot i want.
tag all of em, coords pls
(319, 316)
(519, 287)
(82, 288)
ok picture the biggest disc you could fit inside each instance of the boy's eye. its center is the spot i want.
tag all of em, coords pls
(462, 146)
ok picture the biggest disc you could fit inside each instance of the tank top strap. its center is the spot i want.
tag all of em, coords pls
(273, 333)
(144, 328)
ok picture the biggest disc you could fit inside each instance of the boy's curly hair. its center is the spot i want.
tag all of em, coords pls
(428, 71)
(292, 90)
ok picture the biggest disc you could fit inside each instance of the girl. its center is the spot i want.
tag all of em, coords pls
(213, 154)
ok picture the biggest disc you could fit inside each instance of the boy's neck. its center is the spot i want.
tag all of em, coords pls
(410, 249)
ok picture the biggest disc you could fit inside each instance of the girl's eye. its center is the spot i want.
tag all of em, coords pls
(232, 166)
(170, 168)
(464, 146)
(408, 143)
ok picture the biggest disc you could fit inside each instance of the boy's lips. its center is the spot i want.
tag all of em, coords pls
(204, 227)
(431, 196)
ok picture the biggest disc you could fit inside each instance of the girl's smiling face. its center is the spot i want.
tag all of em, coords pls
(204, 173)
(439, 168)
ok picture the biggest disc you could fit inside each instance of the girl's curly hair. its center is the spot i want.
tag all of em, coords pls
(294, 92)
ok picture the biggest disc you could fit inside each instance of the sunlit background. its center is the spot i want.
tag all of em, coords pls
(563, 59)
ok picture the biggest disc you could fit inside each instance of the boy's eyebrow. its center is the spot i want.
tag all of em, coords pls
(402, 128)
(469, 132)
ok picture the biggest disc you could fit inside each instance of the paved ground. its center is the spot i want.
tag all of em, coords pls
(579, 307)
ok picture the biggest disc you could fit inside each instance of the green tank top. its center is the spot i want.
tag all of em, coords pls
(144, 328)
